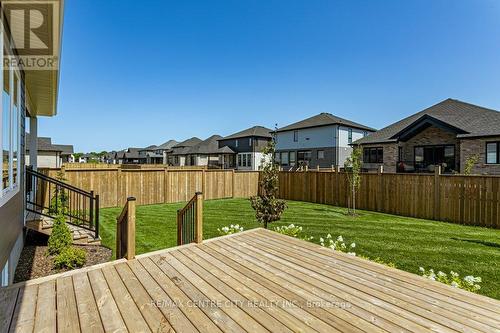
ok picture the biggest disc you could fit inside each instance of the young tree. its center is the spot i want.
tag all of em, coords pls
(268, 208)
(469, 164)
(353, 170)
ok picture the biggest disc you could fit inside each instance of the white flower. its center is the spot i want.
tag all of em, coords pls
(442, 274)
(453, 274)
(454, 284)
(321, 240)
(328, 236)
(421, 269)
(340, 239)
(469, 279)
(353, 245)
(352, 253)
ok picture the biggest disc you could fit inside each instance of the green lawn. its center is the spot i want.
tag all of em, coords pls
(407, 242)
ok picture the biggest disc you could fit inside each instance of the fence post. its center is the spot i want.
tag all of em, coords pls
(437, 193)
(337, 185)
(131, 228)
(199, 218)
(380, 190)
(232, 184)
(165, 183)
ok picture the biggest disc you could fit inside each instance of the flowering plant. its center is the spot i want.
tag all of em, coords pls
(338, 244)
(232, 229)
(293, 231)
(469, 282)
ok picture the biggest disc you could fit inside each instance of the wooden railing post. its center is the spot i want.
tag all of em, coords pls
(131, 228)
(125, 226)
(437, 193)
(199, 218)
(179, 227)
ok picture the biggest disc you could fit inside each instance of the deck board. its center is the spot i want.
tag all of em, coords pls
(256, 281)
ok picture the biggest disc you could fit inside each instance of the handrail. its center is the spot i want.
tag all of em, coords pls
(49, 197)
(190, 221)
(57, 182)
(125, 231)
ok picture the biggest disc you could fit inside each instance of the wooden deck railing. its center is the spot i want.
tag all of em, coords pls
(190, 221)
(125, 231)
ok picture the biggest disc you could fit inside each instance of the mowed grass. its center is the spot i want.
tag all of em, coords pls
(407, 242)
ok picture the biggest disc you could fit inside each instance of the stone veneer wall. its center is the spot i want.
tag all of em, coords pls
(469, 147)
(390, 157)
(430, 136)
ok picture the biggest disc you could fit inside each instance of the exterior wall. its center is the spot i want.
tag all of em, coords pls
(326, 162)
(344, 136)
(258, 144)
(470, 147)
(429, 136)
(390, 157)
(308, 138)
(47, 159)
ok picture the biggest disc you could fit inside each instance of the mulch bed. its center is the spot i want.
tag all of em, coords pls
(34, 261)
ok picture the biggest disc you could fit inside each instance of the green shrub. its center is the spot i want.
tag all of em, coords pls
(60, 238)
(71, 257)
(293, 231)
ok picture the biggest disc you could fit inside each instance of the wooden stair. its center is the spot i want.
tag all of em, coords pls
(81, 236)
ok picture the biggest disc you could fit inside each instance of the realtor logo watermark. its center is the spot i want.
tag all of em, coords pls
(34, 29)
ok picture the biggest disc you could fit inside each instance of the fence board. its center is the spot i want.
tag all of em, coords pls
(470, 200)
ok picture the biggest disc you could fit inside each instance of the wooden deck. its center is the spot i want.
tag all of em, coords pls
(255, 281)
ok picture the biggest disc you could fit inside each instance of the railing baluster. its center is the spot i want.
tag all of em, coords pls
(190, 221)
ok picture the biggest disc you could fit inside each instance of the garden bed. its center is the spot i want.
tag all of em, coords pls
(35, 263)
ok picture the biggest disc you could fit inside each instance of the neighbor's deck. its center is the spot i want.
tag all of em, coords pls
(256, 281)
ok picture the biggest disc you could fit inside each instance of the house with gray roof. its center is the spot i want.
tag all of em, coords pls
(247, 146)
(131, 156)
(50, 155)
(319, 141)
(177, 155)
(446, 134)
(208, 153)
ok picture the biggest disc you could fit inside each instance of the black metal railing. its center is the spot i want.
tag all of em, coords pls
(190, 221)
(50, 197)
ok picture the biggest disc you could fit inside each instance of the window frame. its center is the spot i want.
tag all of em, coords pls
(379, 158)
(295, 136)
(14, 186)
(349, 135)
(497, 144)
(322, 153)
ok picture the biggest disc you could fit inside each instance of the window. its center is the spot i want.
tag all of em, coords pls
(349, 135)
(492, 153)
(419, 154)
(365, 133)
(295, 136)
(236, 143)
(284, 158)
(250, 142)
(373, 155)
(321, 154)
(249, 160)
(10, 113)
(239, 160)
(304, 155)
(400, 154)
(292, 158)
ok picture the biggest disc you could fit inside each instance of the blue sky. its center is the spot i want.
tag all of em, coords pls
(136, 73)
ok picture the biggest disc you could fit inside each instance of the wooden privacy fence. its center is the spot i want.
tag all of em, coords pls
(155, 186)
(470, 200)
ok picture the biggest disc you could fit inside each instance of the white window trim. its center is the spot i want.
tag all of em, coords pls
(7, 194)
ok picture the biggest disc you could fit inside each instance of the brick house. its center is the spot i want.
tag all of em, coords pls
(445, 134)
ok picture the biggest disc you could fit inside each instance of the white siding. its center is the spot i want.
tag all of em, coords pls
(47, 160)
(344, 135)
